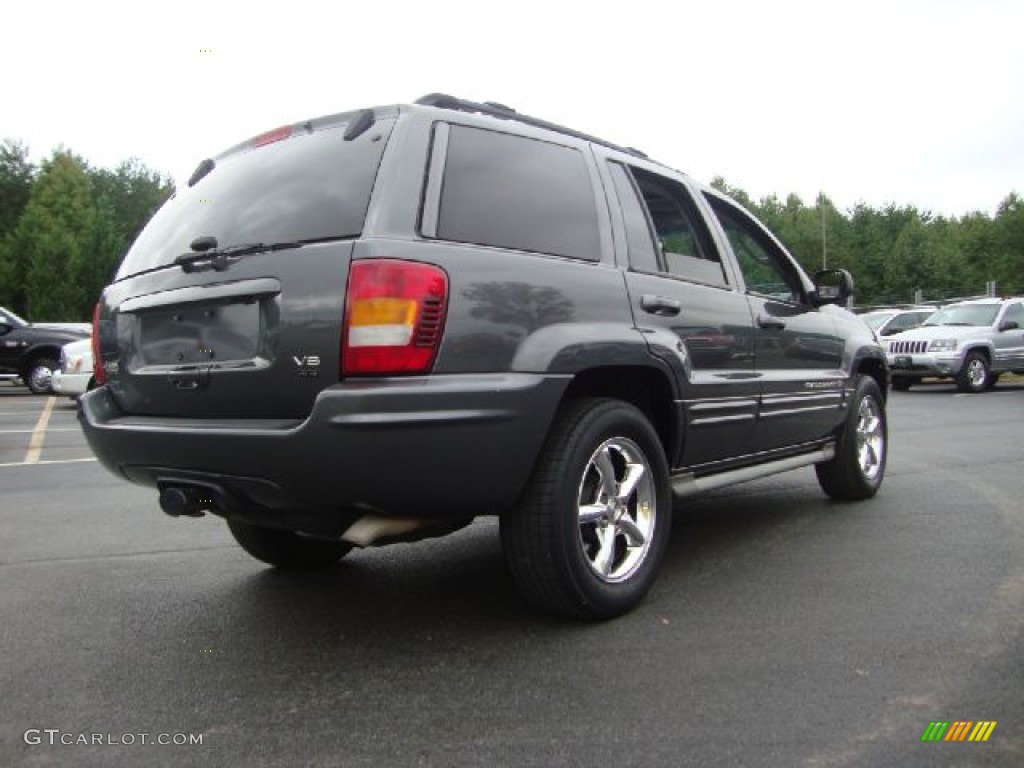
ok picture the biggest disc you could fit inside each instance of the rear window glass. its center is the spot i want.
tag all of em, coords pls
(514, 192)
(310, 186)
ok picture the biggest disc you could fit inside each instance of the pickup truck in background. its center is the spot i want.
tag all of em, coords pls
(31, 351)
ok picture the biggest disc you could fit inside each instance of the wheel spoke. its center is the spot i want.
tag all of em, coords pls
(606, 470)
(631, 531)
(592, 513)
(634, 472)
(873, 454)
(865, 455)
(606, 553)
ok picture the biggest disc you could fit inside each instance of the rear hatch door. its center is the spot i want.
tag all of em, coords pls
(230, 302)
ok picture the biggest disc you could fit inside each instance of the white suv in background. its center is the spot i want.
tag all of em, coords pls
(75, 376)
(972, 342)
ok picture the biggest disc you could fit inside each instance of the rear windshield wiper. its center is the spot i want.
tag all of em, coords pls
(206, 255)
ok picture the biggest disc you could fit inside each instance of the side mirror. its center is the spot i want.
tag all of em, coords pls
(832, 286)
(1008, 325)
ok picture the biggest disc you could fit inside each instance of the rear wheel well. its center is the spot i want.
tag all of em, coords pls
(645, 388)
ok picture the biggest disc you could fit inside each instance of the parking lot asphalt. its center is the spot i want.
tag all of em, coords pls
(784, 630)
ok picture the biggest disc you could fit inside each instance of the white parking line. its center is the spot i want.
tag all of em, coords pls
(48, 461)
(35, 445)
(24, 431)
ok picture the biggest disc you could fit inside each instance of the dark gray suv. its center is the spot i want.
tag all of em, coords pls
(378, 325)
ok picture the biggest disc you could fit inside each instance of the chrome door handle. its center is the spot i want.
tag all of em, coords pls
(771, 323)
(660, 305)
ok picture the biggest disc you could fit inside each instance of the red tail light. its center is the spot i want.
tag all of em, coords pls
(98, 373)
(394, 315)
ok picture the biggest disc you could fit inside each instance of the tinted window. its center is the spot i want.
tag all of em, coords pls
(766, 269)
(642, 255)
(907, 321)
(513, 192)
(8, 317)
(681, 235)
(876, 320)
(307, 187)
(1015, 313)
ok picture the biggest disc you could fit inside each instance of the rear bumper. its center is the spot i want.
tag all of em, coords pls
(439, 447)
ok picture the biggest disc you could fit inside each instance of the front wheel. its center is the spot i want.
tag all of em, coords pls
(857, 469)
(973, 375)
(287, 550)
(40, 375)
(589, 534)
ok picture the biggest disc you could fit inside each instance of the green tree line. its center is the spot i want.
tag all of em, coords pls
(894, 252)
(64, 227)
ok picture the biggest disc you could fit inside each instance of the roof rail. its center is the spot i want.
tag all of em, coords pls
(494, 109)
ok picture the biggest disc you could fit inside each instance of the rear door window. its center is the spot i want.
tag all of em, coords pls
(665, 232)
(515, 192)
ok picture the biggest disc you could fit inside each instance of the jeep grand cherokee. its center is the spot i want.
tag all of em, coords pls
(378, 325)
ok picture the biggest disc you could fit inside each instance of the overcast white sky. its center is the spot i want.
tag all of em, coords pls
(877, 101)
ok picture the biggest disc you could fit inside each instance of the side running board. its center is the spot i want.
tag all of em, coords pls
(690, 485)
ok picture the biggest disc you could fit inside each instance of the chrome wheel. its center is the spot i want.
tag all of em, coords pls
(590, 531)
(617, 509)
(870, 438)
(977, 373)
(39, 378)
(856, 470)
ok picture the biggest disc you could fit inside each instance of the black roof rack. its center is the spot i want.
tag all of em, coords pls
(494, 109)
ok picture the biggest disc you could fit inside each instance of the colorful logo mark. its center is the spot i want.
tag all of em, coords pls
(958, 730)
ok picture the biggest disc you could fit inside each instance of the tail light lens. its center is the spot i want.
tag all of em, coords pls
(98, 373)
(394, 316)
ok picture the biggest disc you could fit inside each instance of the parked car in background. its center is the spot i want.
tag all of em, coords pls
(77, 327)
(971, 342)
(74, 377)
(887, 322)
(31, 351)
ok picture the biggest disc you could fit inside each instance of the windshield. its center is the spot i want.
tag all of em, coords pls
(6, 316)
(965, 314)
(311, 186)
(875, 319)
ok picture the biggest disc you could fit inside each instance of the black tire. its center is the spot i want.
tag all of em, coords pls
(902, 383)
(39, 375)
(591, 569)
(286, 550)
(992, 380)
(857, 470)
(973, 375)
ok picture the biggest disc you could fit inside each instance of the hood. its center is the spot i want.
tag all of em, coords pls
(73, 329)
(931, 332)
(79, 347)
